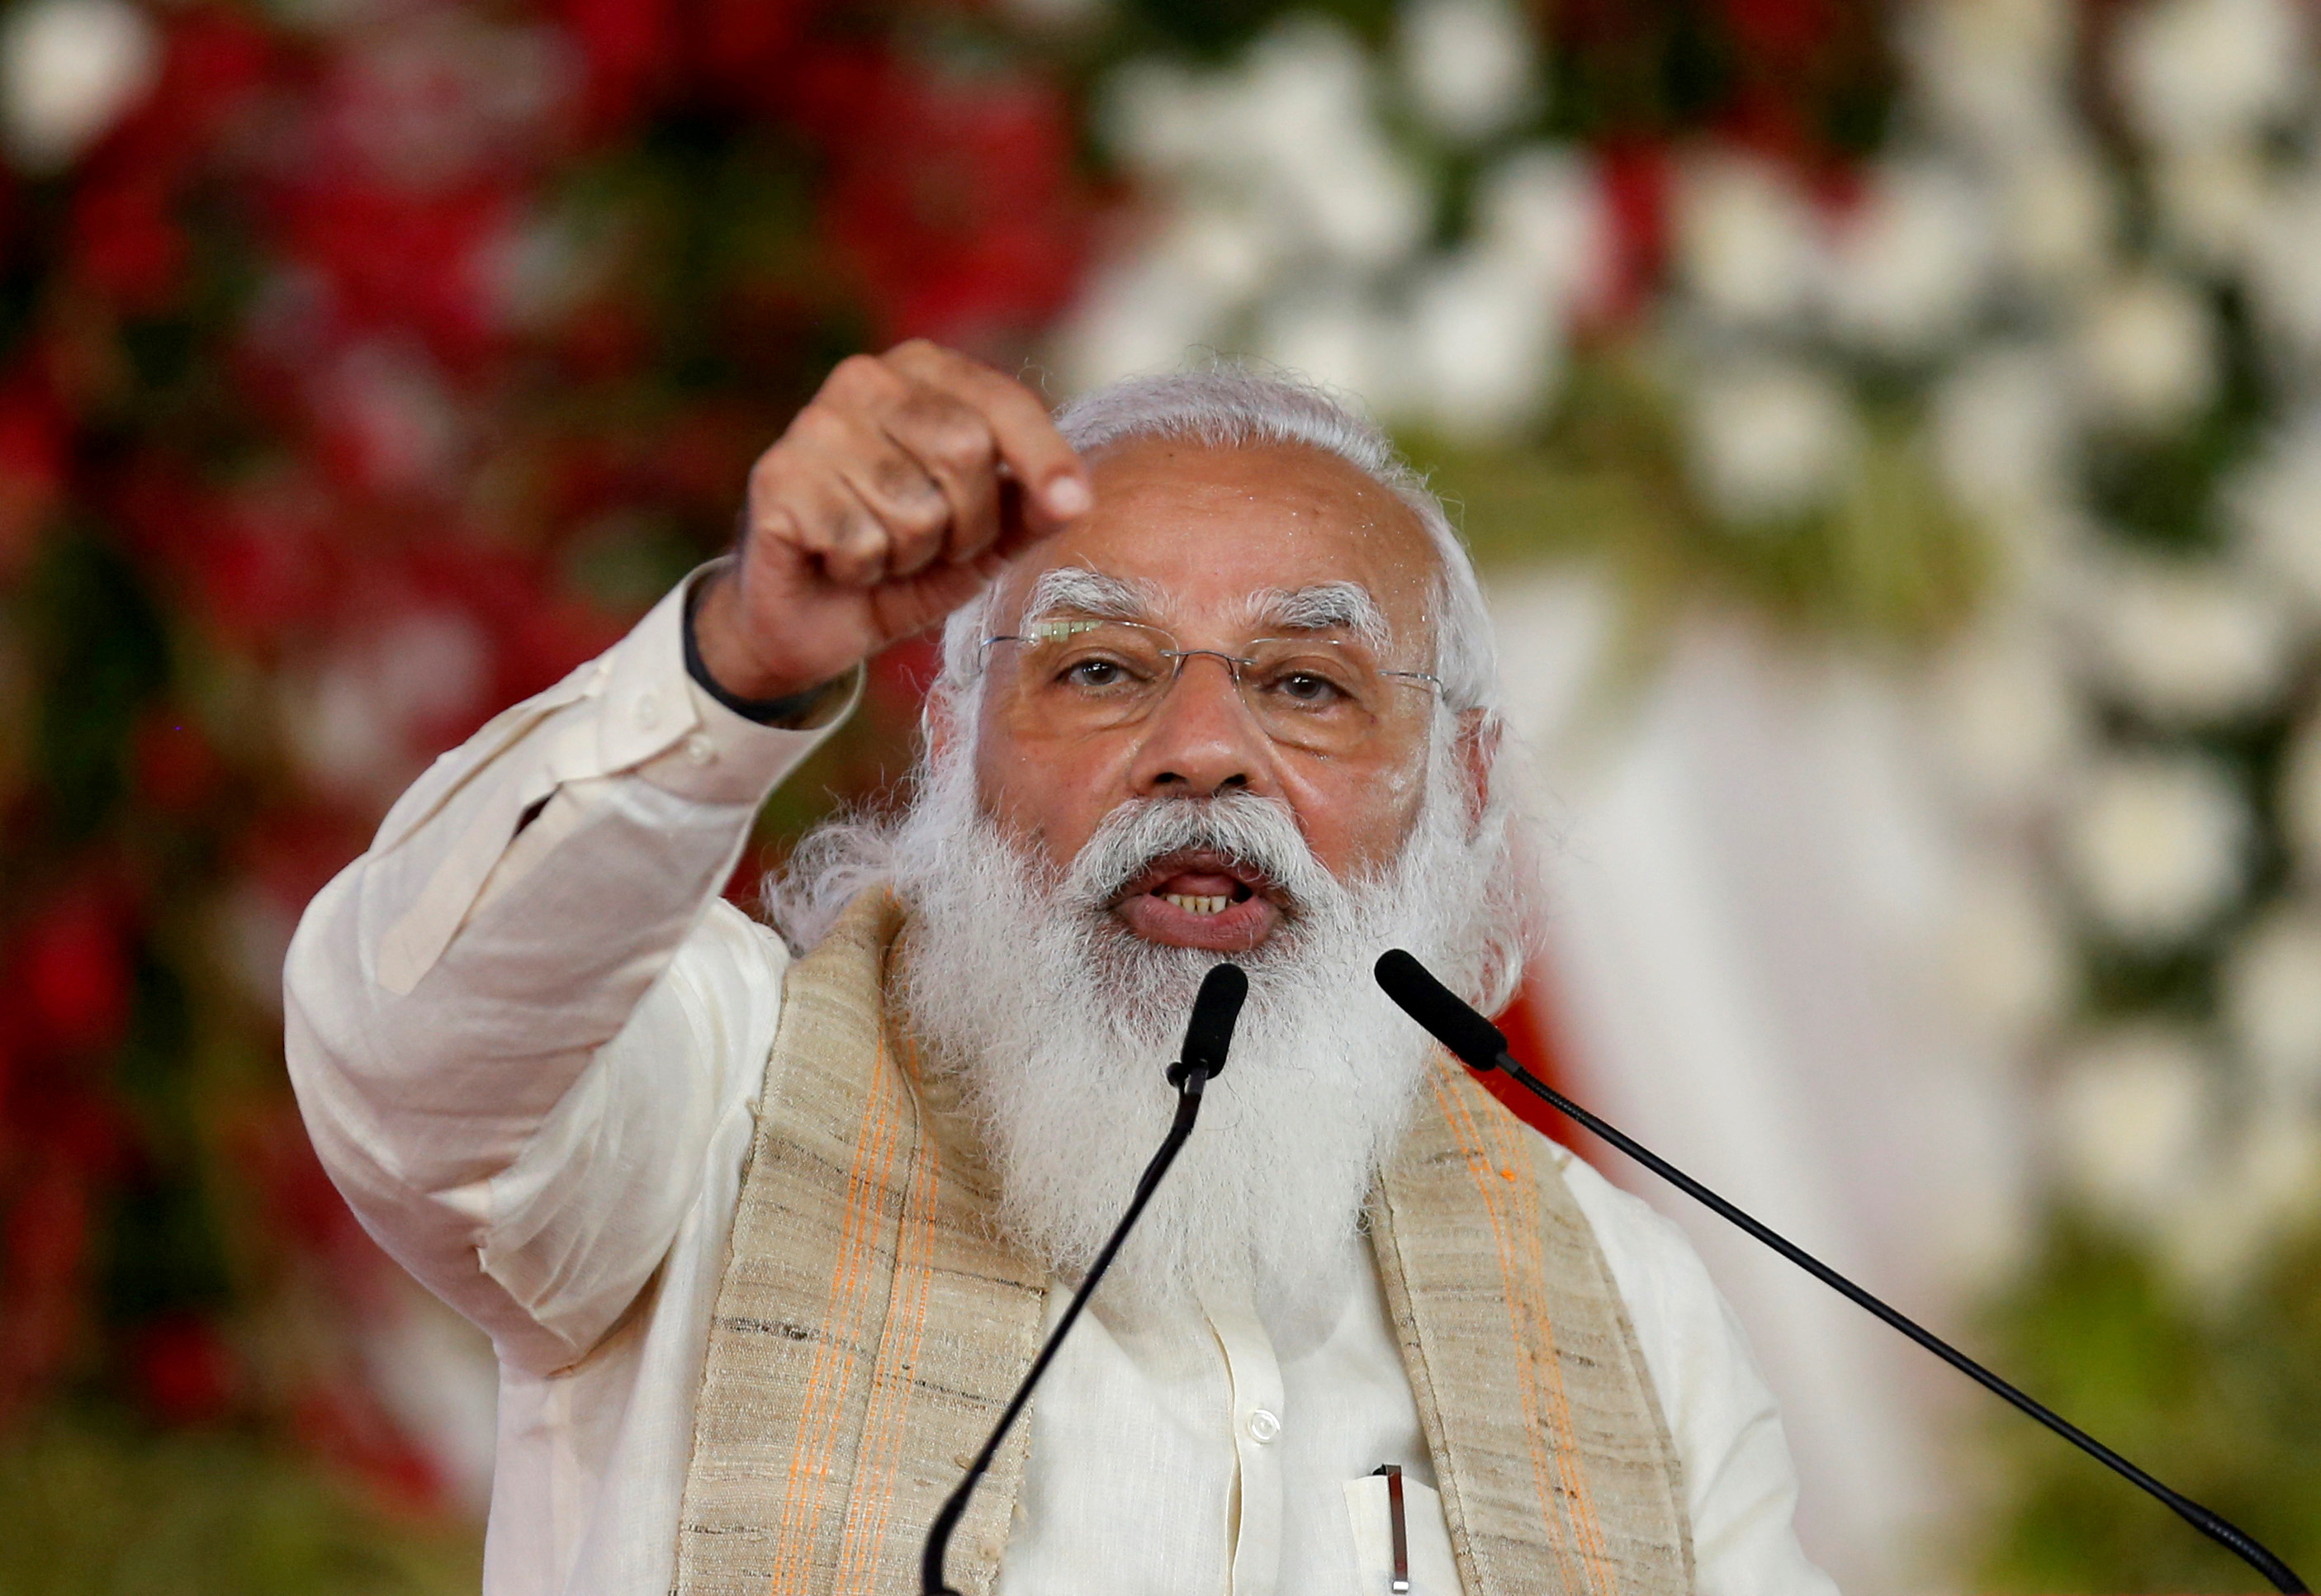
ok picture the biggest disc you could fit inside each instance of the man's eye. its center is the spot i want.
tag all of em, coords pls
(1095, 673)
(1307, 690)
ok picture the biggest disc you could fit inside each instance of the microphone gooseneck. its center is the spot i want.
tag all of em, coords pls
(1482, 1047)
(1208, 1036)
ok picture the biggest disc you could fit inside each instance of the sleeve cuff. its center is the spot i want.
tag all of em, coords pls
(658, 721)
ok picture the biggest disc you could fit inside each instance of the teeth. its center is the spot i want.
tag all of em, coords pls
(1197, 905)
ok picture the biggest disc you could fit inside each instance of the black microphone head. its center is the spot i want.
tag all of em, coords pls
(1216, 1008)
(1440, 1011)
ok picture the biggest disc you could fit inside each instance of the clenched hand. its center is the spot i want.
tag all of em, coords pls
(906, 485)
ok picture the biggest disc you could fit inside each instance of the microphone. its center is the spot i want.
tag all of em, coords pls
(1208, 1035)
(1482, 1047)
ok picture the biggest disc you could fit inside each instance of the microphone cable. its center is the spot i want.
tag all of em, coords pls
(1482, 1047)
(1208, 1036)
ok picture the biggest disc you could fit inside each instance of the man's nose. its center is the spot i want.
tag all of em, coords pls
(1201, 740)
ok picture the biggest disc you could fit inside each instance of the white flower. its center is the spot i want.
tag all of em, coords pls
(2299, 799)
(390, 401)
(2272, 1001)
(68, 71)
(1770, 439)
(356, 726)
(2002, 423)
(2057, 214)
(2284, 262)
(1138, 314)
(1485, 345)
(1339, 338)
(2190, 644)
(1469, 64)
(249, 936)
(1306, 108)
(1909, 266)
(1543, 206)
(1747, 242)
(1057, 14)
(2196, 72)
(2157, 845)
(2276, 506)
(2248, 1198)
(2009, 724)
(1995, 72)
(2009, 961)
(2146, 352)
(1290, 131)
(1157, 116)
(2213, 200)
(2132, 1112)
(442, 93)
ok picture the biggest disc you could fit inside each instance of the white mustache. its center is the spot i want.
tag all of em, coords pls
(1253, 831)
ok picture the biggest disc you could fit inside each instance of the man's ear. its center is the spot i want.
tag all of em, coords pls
(939, 724)
(1476, 748)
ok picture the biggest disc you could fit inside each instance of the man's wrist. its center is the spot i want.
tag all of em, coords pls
(804, 709)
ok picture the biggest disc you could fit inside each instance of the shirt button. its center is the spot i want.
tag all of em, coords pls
(699, 750)
(647, 711)
(1263, 1426)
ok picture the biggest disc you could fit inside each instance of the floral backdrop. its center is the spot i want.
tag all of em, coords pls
(365, 364)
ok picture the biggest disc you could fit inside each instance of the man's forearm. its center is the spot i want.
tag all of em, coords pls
(447, 990)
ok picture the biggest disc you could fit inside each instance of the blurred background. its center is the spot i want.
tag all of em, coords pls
(1890, 432)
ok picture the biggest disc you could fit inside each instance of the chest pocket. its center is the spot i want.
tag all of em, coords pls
(1426, 1538)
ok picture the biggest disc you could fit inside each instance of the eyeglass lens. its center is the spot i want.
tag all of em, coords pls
(1321, 693)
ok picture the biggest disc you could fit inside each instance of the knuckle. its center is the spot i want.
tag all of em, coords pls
(898, 481)
(949, 435)
(818, 428)
(961, 443)
(859, 379)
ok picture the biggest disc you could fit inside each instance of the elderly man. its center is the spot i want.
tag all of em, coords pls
(764, 1243)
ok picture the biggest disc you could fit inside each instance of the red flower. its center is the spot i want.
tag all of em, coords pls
(175, 766)
(32, 452)
(125, 242)
(631, 50)
(1636, 193)
(72, 974)
(185, 1371)
(956, 201)
(347, 1428)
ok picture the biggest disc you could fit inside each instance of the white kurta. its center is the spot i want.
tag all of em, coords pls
(530, 1055)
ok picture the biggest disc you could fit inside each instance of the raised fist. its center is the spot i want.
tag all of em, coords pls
(906, 485)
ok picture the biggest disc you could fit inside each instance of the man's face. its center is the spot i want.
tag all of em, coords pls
(1218, 548)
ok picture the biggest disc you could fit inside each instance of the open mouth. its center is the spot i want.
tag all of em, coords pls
(1200, 898)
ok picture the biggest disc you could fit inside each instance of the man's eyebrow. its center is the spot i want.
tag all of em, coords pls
(1323, 606)
(1078, 590)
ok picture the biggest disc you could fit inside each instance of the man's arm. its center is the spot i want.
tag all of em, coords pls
(510, 1039)
(516, 1022)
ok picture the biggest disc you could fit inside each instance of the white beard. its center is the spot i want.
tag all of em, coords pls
(1059, 1023)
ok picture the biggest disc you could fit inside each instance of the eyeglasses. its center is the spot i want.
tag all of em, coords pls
(1323, 695)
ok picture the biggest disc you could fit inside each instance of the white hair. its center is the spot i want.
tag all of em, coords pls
(1226, 406)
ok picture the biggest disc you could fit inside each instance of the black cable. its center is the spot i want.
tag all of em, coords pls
(2217, 1528)
(1189, 1079)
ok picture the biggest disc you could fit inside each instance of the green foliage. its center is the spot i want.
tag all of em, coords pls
(2219, 1401)
(1887, 563)
(87, 1509)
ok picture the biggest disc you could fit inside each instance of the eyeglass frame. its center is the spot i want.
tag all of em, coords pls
(1057, 631)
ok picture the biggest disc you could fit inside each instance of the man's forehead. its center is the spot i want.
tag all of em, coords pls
(1317, 606)
(1194, 532)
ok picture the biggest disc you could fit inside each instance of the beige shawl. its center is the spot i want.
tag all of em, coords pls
(871, 1324)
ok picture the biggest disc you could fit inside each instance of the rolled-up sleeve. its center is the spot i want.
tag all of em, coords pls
(516, 1021)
